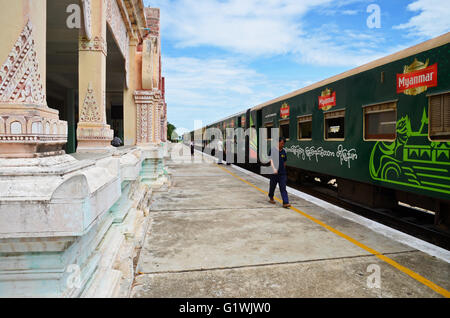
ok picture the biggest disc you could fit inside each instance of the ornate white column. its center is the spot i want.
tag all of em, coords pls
(149, 99)
(28, 127)
(129, 106)
(93, 134)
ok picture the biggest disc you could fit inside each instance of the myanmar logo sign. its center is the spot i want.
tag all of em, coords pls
(284, 111)
(416, 78)
(327, 99)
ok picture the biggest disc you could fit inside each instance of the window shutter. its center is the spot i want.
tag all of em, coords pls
(435, 114)
(335, 114)
(446, 112)
(305, 118)
(380, 108)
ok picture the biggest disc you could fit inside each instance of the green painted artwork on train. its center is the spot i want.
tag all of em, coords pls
(412, 160)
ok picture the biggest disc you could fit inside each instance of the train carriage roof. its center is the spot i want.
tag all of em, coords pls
(421, 47)
(226, 118)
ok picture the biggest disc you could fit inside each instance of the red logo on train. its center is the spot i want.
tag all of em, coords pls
(416, 78)
(284, 110)
(327, 99)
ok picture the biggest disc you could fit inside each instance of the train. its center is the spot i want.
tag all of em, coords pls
(379, 132)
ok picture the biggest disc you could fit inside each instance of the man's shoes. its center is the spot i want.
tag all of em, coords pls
(287, 205)
(272, 201)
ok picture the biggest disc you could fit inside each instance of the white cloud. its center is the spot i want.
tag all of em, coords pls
(214, 88)
(254, 27)
(330, 45)
(267, 28)
(433, 19)
(350, 12)
(192, 79)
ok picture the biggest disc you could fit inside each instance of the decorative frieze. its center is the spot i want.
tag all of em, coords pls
(95, 133)
(24, 128)
(20, 78)
(96, 44)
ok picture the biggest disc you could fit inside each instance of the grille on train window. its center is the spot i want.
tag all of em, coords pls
(334, 125)
(439, 117)
(380, 121)
(284, 129)
(304, 127)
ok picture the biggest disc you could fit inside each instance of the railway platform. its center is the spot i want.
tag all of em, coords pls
(213, 233)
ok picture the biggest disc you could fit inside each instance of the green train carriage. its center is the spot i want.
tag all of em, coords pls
(381, 130)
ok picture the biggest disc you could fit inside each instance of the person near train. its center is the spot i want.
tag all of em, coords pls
(279, 175)
(219, 151)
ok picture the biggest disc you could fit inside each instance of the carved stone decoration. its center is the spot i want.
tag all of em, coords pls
(90, 112)
(147, 103)
(20, 79)
(143, 123)
(86, 4)
(96, 44)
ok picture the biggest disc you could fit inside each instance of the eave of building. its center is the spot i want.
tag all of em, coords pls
(126, 17)
(135, 17)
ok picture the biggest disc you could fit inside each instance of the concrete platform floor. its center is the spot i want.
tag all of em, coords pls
(213, 235)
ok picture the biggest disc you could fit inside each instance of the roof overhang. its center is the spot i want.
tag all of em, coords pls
(133, 15)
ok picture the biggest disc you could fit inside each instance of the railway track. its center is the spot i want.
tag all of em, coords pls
(408, 220)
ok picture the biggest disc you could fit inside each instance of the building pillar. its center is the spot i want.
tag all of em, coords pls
(129, 106)
(149, 97)
(28, 127)
(93, 133)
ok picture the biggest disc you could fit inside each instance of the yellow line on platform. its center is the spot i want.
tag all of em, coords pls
(384, 258)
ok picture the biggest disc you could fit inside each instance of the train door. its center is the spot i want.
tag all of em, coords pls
(258, 125)
(247, 138)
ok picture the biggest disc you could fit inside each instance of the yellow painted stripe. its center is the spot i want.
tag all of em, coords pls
(384, 258)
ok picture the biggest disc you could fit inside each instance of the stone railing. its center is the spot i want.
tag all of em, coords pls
(70, 225)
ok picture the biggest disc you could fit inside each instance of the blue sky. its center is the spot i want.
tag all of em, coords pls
(220, 57)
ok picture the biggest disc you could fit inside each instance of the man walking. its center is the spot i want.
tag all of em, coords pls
(219, 151)
(279, 173)
(192, 148)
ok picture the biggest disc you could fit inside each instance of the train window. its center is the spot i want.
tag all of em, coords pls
(284, 129)
(269, 130)
(380, 121)
(335, 125)
(304, 127)
(439, 115)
